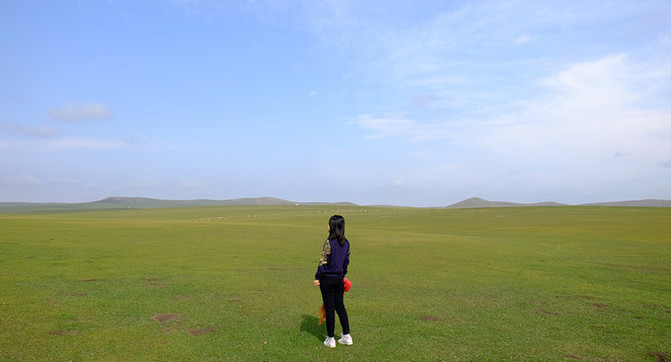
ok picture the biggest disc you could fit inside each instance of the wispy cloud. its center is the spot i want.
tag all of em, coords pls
(523, 39)
(88, 143)
(604, 84)
(80, 112)
(43, 131)
(67, 143)
(588, 110)
(385, 126)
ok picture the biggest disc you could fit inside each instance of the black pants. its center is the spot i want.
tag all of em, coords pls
(332, 289)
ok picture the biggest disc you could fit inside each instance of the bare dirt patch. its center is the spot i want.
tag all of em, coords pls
(235, 300)
(572, 356)
(165, 317)
(201, 331)
(429, 318)
(155, 283)
(599, 305)
(661, 356)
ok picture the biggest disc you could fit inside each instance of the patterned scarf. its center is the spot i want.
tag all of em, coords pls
(326, 251)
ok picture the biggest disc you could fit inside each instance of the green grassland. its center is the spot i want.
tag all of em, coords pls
(235, 283)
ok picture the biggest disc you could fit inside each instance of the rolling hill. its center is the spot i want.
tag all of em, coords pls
(144, 203)
(634, 203)
(476, 202)
(150, 203)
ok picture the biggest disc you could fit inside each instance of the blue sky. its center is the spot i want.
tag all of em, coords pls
(374, 102)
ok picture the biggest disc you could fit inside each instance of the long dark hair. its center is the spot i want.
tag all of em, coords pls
(337, 229)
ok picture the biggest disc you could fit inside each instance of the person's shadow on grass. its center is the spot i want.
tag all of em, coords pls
(311, 325)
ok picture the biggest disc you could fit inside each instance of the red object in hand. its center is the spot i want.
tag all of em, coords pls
(322, 315)
(348, 284)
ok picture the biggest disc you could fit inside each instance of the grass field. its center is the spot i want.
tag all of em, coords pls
(235, 283)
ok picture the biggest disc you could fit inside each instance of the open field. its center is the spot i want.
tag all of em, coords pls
(235, 283)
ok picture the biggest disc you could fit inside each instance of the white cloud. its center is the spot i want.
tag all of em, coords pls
(80, 112)
(86, 143)
(604, 84)
(591, 109)
(384, 127)
(68, 143)
(43, 131)
(599, 99)
(523, 39)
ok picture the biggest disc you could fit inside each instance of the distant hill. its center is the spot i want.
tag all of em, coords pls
(476, 202)
(143, 203)
(149, 203)
(634, 203)
(146, 203)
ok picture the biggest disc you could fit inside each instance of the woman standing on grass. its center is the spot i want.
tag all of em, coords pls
(329, 278)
